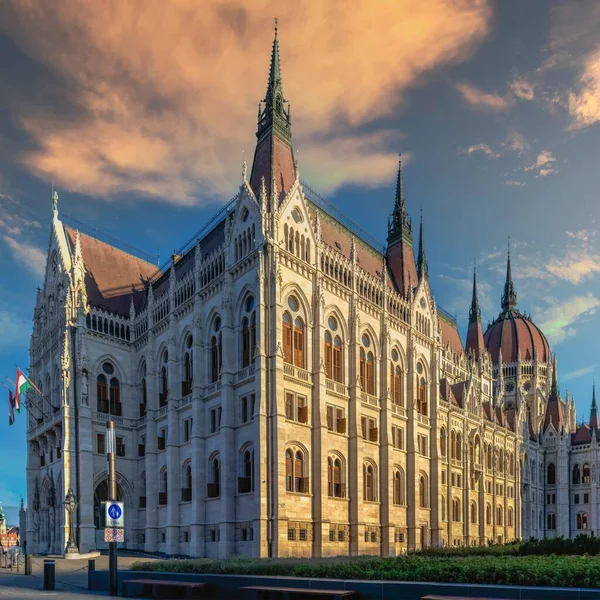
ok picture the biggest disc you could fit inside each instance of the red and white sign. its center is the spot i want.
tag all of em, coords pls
(114, 535)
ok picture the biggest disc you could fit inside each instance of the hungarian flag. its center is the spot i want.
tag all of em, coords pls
(11, 408)
(22, 386)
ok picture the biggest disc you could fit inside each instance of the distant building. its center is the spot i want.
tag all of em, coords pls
(287, 388)
(9, 536)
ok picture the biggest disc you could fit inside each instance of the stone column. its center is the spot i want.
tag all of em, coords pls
(173, 441)
(151, 460)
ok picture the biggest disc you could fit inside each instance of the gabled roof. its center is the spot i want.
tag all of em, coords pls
(583, 435)
(112, 276)
(511, 417)
(487, 410)
(449, 333)
(459, 390)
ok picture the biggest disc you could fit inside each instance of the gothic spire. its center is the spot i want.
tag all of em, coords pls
(509, 298)
(474, 311)
(421, 260)
(399, 225)
(594, 410)
(274, 157)
(475, 331)
(554, 386)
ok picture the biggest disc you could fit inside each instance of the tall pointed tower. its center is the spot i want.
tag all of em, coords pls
(273, 156)
(509, 298)
(475, 330)
(594, 409)
(400, 255)
(421, 260)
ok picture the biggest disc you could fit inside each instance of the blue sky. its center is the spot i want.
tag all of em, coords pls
(141, 114)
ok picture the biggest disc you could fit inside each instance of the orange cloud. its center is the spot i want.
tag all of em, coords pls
(484, 100)
(166, 93)
(584, 104)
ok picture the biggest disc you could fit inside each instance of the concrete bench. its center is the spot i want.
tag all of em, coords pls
(158, 587)
(282, 593)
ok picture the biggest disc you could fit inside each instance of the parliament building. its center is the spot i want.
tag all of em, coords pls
(284, 387)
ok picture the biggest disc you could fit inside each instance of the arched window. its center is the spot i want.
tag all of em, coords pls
(443, 504)
(551, 521)
(144, 398)
(443, 442)
(399, 495)
(289, 471)
(164, 487)
(164, 386)
(363, 369)
(488, 514)
(582, 520)
(586, 474)
(246, 481)
(186, 490)
(299, 342)
(115, 398)
(510, 522)
(456, 516)
(370, 373)
(287, 337)
(473, 512)
(422, 398)
(214, 485)
(102, 394)
(215, 357)
(369, 482)
(252, 335)
(551, 480)
(245, 342)
(328, 355)
(300, 481)
(458, 448)
(499, 515)
(423, 493)
(576, 474)
(335, 485)
(186, 384)
(396, 379)
(337, 359)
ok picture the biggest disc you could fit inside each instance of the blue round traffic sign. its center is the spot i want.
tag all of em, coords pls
(114, 511)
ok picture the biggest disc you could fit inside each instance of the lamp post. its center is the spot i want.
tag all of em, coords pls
(112, 497)
(71, 506)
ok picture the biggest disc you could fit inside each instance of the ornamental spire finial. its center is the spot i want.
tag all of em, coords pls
(475, 311)
(421, 260)
(509, 298)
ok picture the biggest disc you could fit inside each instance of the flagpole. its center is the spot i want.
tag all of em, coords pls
(35, 387)
(27, 403)
(43, 397)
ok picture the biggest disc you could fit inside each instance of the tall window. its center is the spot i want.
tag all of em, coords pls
(333, 351)
(293, 335)
(216, 354)
(398, 495)
(299, 342)
(551, 521)
(582, 520)
(186, 384)
(443, 442)
(164, 381)
(367, 366)
(499, 515)
(102, 394)
(576, 474)
(458, 448)
(488, 514)
(287, 338)
(423, 494)
(246, 479)
(295, 472)
(369, 482)
(144, 396)
(396, 379)
(510, 518)
(586, 474)
(422, 397)
(443, 504)
(214, 486)
(335, 486)
(473, 512)
(328, 355)
(551, 474)
(248, 332)
(456, 516)
(115, 397)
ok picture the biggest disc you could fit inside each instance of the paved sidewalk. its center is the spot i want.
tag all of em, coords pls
(71, 579)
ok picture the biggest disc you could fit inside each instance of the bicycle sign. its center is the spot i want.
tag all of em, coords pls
(114, 515)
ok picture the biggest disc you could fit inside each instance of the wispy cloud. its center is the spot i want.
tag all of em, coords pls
(152, 83)
(487, 101)
(32, 257)
(543, 164)
(578, 373)
(515, 183)
(584, 104)
(559, 319)
(481, 149)
(523, 89)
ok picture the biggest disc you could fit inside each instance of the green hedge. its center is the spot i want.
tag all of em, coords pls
(555, 571)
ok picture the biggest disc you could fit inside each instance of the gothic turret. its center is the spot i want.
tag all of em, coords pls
(274, 156)
(594, 409)
(475, 330)
(554, 408)
(400, 255)
(421, 260)
(509, 298)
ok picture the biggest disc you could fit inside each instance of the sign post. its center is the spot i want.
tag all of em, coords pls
(114, 509)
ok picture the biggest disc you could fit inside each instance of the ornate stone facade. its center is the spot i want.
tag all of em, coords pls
(284, 388)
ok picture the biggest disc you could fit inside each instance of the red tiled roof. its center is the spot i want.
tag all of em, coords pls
(487, 410)
(458, 392)
(554, 412)
(583, 435)
(513, 332)
(511, 414)
(499, 416)
(475, 338)
(401, 259)
(273, 157)
(450, 335)
(111, 275)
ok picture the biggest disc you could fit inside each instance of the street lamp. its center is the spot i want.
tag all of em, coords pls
(71, 506)
(112, 497)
